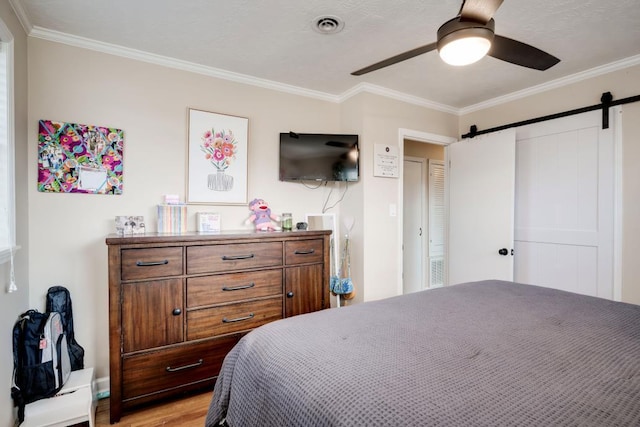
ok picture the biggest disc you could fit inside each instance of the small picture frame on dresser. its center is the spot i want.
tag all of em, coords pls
(126, 224)
(208, 222)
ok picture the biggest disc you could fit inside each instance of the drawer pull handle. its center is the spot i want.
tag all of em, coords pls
(237, 288)
(182, 368)
(237, 257)
(152, 263)
(307, 252)
(237, 319)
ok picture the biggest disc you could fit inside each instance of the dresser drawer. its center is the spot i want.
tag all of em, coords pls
(211, 322)
(150, 263)
(165, 369)
(220, 258)
(222, 288)
(303, 251)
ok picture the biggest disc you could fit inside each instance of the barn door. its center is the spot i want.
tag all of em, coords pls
(564, 205)
(481, 207)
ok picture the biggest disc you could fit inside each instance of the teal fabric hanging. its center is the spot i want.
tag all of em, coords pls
(344, 286)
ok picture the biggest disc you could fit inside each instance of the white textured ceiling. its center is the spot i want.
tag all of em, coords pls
(274, 39)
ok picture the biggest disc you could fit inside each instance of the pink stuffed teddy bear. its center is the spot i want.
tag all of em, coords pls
(261, 216)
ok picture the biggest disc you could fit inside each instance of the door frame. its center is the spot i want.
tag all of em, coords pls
(428, 138)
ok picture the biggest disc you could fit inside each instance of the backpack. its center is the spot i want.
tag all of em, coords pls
(59, 300)
(41, 363)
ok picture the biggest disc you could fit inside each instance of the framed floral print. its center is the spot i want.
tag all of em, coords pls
(217, 158)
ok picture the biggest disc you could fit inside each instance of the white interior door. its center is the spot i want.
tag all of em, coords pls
(413, 277)
(564, 205)
(481, 207)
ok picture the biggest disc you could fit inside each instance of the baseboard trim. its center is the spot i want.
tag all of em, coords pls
(102, 387)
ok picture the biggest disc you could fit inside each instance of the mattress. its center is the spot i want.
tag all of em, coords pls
(488, 353)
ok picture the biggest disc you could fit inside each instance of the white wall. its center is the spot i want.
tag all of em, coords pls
(375, 264)
(11, 305)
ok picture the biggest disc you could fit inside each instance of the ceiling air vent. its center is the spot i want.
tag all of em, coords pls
(327, 24)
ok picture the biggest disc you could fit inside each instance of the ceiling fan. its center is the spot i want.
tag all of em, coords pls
(470, 36)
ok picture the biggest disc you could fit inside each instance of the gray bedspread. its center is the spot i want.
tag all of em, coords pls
(478, 354)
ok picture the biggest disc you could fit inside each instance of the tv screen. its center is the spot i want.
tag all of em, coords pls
(318, 157)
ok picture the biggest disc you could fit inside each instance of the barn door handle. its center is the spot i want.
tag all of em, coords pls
(503, 252)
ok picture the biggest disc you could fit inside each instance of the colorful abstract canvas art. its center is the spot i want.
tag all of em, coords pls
(75, 158)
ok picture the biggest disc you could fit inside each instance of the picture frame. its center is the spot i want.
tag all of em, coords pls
(127, 224)
(217, 158)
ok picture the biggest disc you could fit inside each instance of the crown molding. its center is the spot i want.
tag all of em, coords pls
(60, 37)
(554, 84)
(22, 15)
(85, 43)
(400, 96)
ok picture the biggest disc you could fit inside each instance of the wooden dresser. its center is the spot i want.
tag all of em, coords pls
(179, 303)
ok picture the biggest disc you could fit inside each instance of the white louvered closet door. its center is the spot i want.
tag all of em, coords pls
(436, 223)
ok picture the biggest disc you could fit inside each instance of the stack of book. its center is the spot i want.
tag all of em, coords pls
(172, 218)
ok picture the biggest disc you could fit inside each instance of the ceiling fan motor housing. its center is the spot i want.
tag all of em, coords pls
(456, 29)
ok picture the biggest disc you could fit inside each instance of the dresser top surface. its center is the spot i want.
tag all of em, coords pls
(116, 239)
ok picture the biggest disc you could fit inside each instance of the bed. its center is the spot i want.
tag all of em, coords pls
(488, 353)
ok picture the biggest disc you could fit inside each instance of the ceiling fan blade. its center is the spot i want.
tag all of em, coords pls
(479, 10)
(395, 59)
(520, 53)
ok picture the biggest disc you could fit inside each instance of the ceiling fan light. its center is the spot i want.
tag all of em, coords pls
(463, 42)
(465, 50)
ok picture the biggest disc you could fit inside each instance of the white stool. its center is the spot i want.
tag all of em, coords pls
(75, 403)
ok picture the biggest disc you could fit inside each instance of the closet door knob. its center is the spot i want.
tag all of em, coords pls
(289, 294)
(176, 312)
(503, 252)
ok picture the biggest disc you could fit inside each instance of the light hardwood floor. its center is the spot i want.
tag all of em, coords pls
(186, 412)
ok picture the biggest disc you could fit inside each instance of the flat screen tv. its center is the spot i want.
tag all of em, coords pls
(318, 157)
